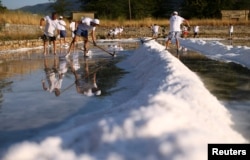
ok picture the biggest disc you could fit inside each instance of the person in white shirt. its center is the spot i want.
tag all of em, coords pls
(155, 30)
(120, 32)
(196, 31)
(175, 29)
(184, 31)
(72, 27)
(85, 26)
(62, 28)
(231, 30)
(50, 31)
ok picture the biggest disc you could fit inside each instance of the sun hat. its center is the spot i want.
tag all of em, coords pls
(175, 13)
(96, 21)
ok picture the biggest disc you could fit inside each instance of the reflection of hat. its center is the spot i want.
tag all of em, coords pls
(175, 13)
(98, 93)
(96, 21)
(61, 17)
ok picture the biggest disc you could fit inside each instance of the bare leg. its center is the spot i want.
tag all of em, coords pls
(178, 46)
(72, 44)
(44, 47)
(54, 47)
(85, 46)
(167, 43)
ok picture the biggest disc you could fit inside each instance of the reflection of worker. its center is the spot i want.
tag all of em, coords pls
(84, 27)
(84, 81)
(54, 78)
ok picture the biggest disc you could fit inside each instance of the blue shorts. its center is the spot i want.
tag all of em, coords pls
(80, 32)
(174, 34)
(62, 34)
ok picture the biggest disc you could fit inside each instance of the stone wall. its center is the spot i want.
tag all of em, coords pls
(19, 28)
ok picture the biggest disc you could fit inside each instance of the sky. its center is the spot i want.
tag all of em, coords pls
(14, 4)
(165, 113)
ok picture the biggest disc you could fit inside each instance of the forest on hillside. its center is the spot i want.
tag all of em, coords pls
(139, 9)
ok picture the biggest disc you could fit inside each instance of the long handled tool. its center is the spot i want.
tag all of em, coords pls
(143, 41)
(112, 54)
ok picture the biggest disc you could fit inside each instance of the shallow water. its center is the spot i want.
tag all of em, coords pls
(229, 82)
(27, 108)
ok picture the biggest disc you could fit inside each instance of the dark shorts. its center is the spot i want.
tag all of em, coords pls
(80, 32)
(48, 38)
(62, 34)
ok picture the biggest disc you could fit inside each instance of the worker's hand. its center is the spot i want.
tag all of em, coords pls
(41, 27)
(58, 36)
(94, 43)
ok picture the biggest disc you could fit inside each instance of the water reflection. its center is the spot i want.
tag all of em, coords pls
(54, 74)
(26, 109)
(85, 79)
(227, 81)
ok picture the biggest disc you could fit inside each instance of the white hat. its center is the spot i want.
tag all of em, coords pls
(175, 13)
(96, 21)
(61, 17)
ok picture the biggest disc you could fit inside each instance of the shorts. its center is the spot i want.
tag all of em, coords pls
(48, 38)
(62, 34)
(174, 34)
(80, 32)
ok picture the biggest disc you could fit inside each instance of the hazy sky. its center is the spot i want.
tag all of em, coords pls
(14, 4)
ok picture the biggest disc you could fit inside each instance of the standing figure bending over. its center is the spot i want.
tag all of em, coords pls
(83, 28)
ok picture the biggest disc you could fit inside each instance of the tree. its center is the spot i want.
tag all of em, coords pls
(111, 9)
(2, 8)
(60, 6)
(206, 8)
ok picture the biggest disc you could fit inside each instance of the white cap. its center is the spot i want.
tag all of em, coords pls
(61, 17)
(175, 13)
(96, 21)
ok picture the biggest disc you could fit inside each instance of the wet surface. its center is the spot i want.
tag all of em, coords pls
(29, 104)
(229, 82)
(27, 108)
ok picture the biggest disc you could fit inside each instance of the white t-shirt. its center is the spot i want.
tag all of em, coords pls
(51, 26)
(175, 23)
(155, 28)
(62, 25)
(86, 24)
(53, 82)
(196, 29)
(72, 26)
(62, 66)
(231, 29)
